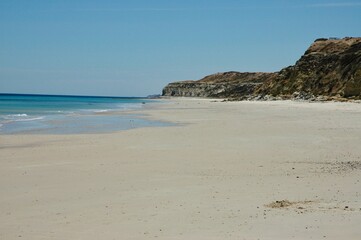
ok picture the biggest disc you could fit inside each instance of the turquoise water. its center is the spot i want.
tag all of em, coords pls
(69, 114)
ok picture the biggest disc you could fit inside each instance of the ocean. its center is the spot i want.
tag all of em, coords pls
(54, 114)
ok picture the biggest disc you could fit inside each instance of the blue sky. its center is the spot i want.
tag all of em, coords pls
(134, 48)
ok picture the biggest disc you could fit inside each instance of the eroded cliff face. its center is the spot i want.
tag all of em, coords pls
(329, 67)
(219, 85)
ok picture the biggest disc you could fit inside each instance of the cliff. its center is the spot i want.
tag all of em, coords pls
(330, 68)
(219, 85)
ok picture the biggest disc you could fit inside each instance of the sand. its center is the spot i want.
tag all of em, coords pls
(227, 170)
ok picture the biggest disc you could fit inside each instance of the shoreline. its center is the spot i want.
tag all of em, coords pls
(70, 116)
(226, 170)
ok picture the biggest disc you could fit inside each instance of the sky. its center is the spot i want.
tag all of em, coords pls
(136, 47)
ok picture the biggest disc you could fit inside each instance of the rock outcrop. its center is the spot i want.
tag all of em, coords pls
(330, 68)
(219, 85)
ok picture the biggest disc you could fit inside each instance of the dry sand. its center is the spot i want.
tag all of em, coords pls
(236, 170)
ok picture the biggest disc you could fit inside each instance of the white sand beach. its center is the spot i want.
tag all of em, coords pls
(217, 174)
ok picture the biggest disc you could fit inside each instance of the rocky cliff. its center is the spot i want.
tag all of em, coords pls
(330, 68)
(219, 85)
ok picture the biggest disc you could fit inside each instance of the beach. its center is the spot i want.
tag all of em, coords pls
(224, 170)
